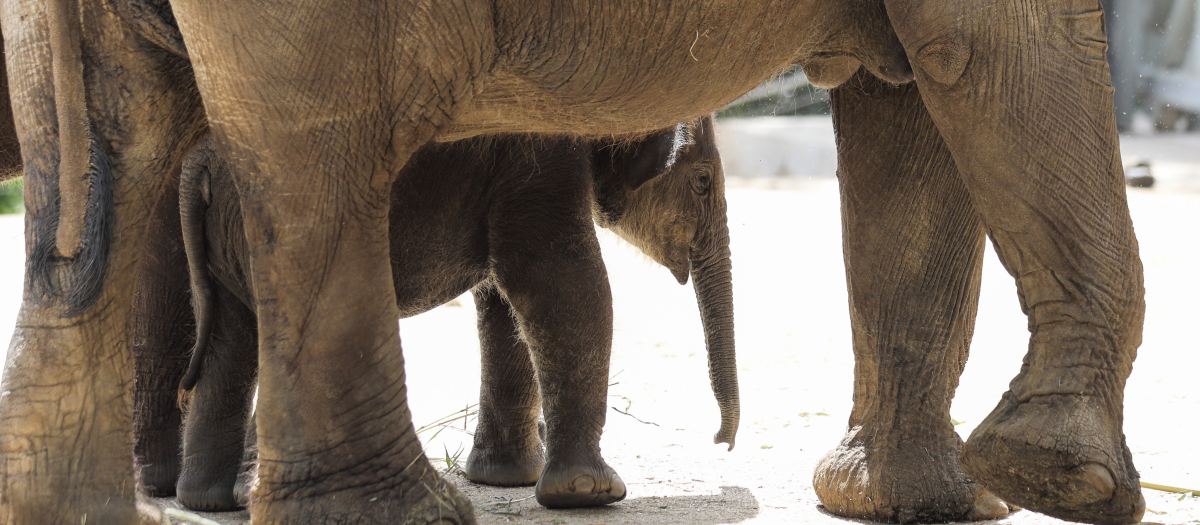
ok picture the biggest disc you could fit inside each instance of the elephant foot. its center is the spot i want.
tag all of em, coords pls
(158, 479)
(71, 508)
(208, 483)
(244, 485)
(430, 501)
(208, 497)
(565, 485)
(492, 462)
(148, 512)
(505, 468)
(1062, 455)
(901, 483)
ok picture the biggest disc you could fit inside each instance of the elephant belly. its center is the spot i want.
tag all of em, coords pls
(589, 75)
(423, 290)
(434, 263)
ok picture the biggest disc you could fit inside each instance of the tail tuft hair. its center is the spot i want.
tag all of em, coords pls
(76, 283)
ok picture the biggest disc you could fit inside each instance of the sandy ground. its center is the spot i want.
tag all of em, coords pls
(795, 364)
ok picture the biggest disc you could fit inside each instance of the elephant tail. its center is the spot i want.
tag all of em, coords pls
(70, 103)
(193, 207)
(69, 257)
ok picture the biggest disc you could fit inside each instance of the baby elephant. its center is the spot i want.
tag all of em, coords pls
(509, 218)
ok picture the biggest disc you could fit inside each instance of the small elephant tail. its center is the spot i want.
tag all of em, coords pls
(193, 206)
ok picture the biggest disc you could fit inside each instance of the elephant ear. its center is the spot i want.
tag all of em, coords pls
(637, 162)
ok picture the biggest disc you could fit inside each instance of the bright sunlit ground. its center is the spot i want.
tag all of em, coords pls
(795, 363)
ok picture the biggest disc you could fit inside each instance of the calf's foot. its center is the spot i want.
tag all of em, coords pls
(505, 467)
(570, 484)
(901, 483)
(507, 462)
(243, 486)
(217, 497)
(1063, 455)
(159, 479)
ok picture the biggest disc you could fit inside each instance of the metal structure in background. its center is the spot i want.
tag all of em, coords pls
(1154, 56)
(1153, 53)
(785, 95)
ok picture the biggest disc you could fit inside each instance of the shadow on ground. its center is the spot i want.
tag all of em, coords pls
(495, 505)
(516, 505)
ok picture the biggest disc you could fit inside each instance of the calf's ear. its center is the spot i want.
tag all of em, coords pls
(649, 158)
(636, 162)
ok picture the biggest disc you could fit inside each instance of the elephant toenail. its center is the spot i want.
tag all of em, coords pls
(1139, 513)
(987, 507)
(584, 484)
(1095, 478)
(618, 490)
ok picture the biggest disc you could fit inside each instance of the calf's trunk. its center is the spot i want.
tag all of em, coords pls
(712, 280)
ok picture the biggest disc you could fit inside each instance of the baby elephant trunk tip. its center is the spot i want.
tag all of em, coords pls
(726, 435)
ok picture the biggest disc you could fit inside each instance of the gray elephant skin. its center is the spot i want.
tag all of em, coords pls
(508, 217)
(1007, 133)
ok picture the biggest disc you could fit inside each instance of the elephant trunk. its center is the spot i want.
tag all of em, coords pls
(712, 279)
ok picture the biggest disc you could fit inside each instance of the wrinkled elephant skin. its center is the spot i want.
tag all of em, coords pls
(510, 217)
(1037, 169)
(318, 120)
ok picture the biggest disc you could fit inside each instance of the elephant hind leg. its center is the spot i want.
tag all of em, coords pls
(914, 250)
(507, 451)
(161, 334)
(215, 431)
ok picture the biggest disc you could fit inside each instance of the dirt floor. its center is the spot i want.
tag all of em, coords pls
(795, 364)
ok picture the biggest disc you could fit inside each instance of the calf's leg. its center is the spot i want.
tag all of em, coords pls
(560, 293)
(162, 329)
(507, 450)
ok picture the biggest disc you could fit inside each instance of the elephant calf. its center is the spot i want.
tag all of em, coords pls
(507, 217)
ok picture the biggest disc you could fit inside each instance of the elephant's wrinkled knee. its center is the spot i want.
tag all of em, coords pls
(937, 35)
(944, 59)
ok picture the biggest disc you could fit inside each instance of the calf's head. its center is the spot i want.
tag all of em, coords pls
(665, 194)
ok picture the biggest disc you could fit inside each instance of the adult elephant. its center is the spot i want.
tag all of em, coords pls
(65, 413)
(318, 106)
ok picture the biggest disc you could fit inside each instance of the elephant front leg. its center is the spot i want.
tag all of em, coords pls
(560, 293)
(913, 249)
(1020, 90)
(508, 449)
